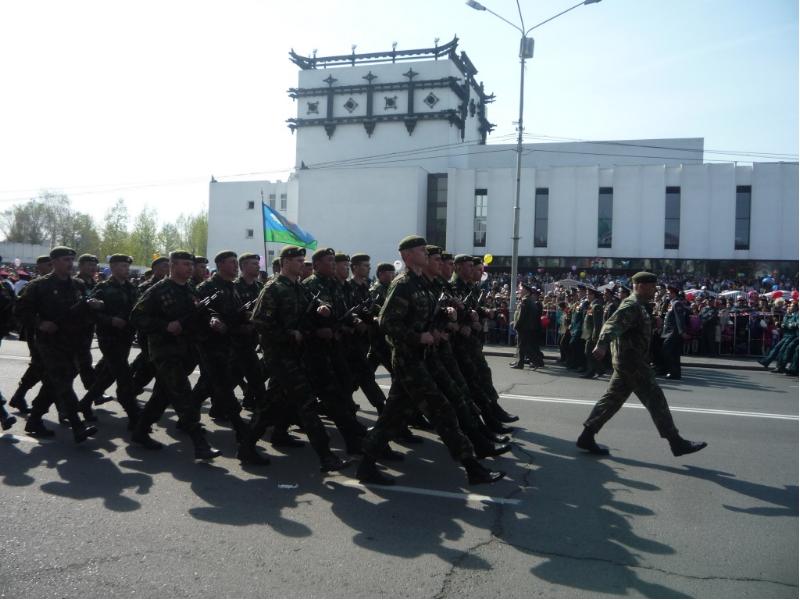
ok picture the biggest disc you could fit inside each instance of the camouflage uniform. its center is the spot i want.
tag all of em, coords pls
(628, 331)
(61, 301)
(406, 314)
(283, 307)
(86, 370)
(248, 367)
(119, 299)
(142, 368)
(379, 351)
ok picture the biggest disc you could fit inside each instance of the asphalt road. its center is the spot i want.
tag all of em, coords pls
(105, 519)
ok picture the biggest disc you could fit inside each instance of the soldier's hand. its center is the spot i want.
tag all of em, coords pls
(324, 311)
(217, 325)
(326, 333)
(426, 339)
(296, 336)
(118, 323)
(599, 352)
(48, 327)
(451, 313)
(175, 327)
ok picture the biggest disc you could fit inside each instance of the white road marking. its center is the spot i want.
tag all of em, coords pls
(426, 492)
(635, 404)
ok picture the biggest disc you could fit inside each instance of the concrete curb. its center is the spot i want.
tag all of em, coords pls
(700, 365)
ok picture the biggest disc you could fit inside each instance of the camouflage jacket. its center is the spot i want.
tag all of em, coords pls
(282, 306)
(119, 300)
(330, 293)
(247, 293)
(162, 303)
(62, 301)
(407, 312)
(628, 331)
(225, 307)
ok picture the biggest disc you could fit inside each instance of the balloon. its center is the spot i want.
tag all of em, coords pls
(583, 274)
(545, 320)
(774, 287)
(690, 297)
(398, 264)
(487, 259)
(574, 267)
(484, 277)
(776, 295)
(768, 281)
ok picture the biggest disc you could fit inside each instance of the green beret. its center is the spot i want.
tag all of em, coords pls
(477, 260)
(462, 258)
(341, 257)
(160, 260)
(223, 255)
(644, 277)
(179, 255)
(115, 258)
(42, 260)
(60, 251)
(433, 250)
(87, 258)
(384, 267)
(411, 241)
(248, 256)
(359, 258)
(291, 252)
(447, 255)
(200, 260)
(322, 252)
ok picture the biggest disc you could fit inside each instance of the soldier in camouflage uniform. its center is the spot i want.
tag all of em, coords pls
(324, 357)
(56, 307)
(169, 316)
(406, 319)
(200, 273)
(217, 345)
(282, 318)
(115, 337)
(87, 271)
(33, 374)
(628, 331)
(142, 368)
(379, 351)
(249, 371)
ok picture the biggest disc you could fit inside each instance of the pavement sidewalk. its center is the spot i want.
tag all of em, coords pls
(738, 363)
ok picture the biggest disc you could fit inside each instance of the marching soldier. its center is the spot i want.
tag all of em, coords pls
(406, 318)
(168, 315)
(7, 299)
(674, 332)
(142, 367)
(628, 333)
(379, 351)
(248, 365)
(55, 306)
(200, 273)
(282, 318)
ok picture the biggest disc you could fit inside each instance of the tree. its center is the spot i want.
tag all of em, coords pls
(82, 236)
(169, 238)
(46, 219)
(143, 237)
(194, 232)
(115, 231)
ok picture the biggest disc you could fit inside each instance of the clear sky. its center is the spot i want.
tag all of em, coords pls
(146, 100)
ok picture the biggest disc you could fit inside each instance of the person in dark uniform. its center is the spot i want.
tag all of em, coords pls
(249, 369)
(628, 333)
(523, 325)
(282, 318)
(675, 332)
(142, 369)
(379, 351)
(33, 374)
(56, 306)
(200, 273)
(115, 337)
(7, 300)
(406, 318)
(168, 314)
(592, 323)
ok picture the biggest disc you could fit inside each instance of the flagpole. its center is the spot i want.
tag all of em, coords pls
(264, 234)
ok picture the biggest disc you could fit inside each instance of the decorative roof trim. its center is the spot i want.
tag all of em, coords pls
(315, 62)
(444, 82)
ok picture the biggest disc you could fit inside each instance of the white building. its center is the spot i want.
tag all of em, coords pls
(395, 143)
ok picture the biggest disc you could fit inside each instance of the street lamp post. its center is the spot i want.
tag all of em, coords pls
(525, 52)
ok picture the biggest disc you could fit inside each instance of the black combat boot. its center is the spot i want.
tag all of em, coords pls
(680, 446)
(494, 425)
(368, 473)
(35, 427)
(18, 401)
(85, 408)
(281, 439)
(6, 420)
(202, 449)
(392, 455)
(330, 462)
(502, 415)
(408, 437)
(586, 442)
(248, 454)
(141, 436)
(80, 432)
(477, 473)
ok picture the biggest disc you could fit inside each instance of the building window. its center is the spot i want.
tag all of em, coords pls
(479, 228)
(283, 201)
(542, 208)
(248, 233)
(672, 219)
(605, 214)
(272, 200)
(251, 204)
(742, 233)
(436, 227)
